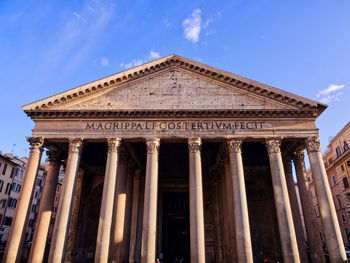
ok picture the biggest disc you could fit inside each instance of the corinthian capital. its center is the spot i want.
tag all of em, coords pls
(313, 144)
(152, 145)
(234, 145)
(273, 145)
(75, 145)
(53, 155)
(194, 145)
(36, 143)
(113, 144)
(299, 153)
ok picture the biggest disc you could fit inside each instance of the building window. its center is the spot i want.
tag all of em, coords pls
(12, 172)
(7, 221)
(0, 165)
(20, 174)
(348, 163)
(342, 167)
(346, 146)
(343, 217)
(18, 188)
(325, 165)
(334, 181)
(337, 150)
(346, 182)
(339, 202)
(4, 169)
(330, 160)
(8, 188)
(347, 231)
(36, 194)
(1, 185)
(38, 182)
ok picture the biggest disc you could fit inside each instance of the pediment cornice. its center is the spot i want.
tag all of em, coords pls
(173, 62)
(173, 114)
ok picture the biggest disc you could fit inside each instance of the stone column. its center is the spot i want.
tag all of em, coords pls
(12, 252)
(315, 244)
(134, 216)
(230, 231)
(299, 230)
(107, 203)
(329, 218)
(60, 233)
(196, 202)
(70, 253)
(282, 203)
(237, 185)
(119, 213)
(45, 211)
(149, 227)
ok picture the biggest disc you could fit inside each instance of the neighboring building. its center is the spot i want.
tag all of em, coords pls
(8, 201)
(10, 195)
(337, 163)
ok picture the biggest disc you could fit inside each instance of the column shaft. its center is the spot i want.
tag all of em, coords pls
(295, 210)
(284, 213)
(237, 185)
(119, 214)
(196, 202)
(230, 231)
(60, 233)
(329, 218)
(149, 227)
(107, 203)
(13, 248)
(45, 211)
(315, 244)
(134, 216)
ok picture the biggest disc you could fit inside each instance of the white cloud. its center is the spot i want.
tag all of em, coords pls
(104, 62)
(153, 55)
(137, 62)
(192, 26)
(330, 98)
(206, 24)
(331, 88)
(327, 95)
(79, 17)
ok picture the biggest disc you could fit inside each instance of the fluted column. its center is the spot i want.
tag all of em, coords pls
(13, 248)
(60, 233)
(315, 244)
(45, 211)
(284, 213)
(329, 218)
(149, 227)
(237, 185)
(196, 202)
(107, 203)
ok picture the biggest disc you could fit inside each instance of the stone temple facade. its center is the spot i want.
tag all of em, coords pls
(176, 160)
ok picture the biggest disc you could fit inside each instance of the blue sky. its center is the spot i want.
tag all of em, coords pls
(47, 47)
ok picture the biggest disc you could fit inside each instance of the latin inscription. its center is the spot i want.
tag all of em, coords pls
(175, 125)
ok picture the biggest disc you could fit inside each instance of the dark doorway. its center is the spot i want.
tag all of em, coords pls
(176, 227)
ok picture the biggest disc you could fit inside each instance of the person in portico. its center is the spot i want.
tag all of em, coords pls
(178, 159)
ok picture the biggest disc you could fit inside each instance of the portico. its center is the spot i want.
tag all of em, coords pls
(178, 160)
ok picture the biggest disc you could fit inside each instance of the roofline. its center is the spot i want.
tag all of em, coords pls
(338, 134)
(135, 71)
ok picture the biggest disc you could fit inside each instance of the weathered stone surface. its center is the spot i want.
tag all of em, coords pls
(175, 90)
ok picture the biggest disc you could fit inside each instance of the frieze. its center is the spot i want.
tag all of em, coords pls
(174, 125)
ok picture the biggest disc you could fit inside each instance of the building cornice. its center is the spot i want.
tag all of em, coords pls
(132, 114)
(175, 61)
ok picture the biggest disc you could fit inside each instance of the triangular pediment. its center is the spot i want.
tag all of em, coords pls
(175, 90)
(174, 83)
